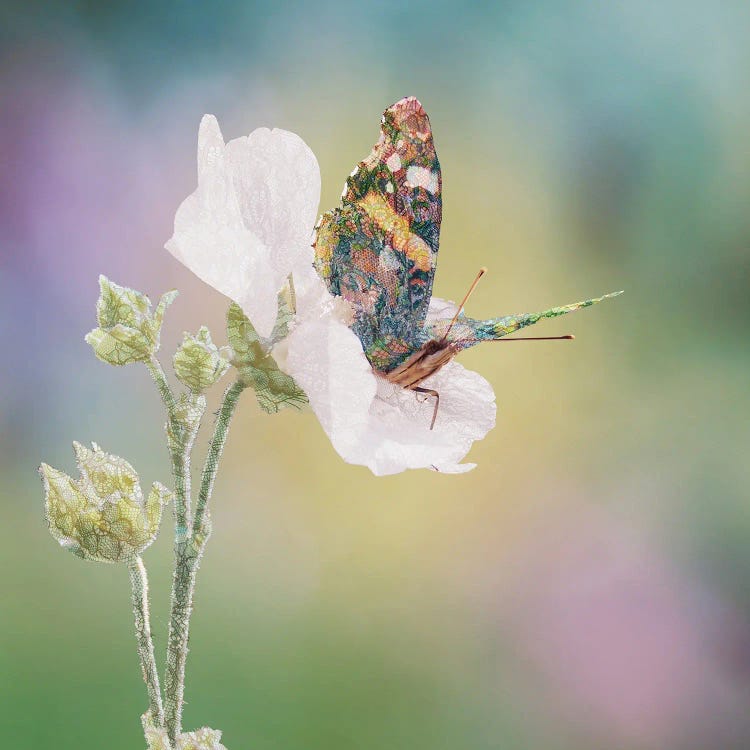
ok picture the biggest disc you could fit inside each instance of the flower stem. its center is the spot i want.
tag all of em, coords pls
(157, 373)
(180, 444)
(188, 553)
(187, 557)
(139, 584)
(221, 429)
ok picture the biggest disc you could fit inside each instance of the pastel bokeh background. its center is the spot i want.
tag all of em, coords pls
(587, 586)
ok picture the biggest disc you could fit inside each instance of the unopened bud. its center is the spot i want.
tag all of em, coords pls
(128, 331)
(198, 363)
(103, 515)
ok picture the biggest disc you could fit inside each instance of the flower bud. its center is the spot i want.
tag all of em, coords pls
(102, 516)
(198, 363)
(128, 331)
(156, 738)
(201, 739)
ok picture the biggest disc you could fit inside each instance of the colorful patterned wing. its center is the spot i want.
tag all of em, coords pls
(379, 249)
(466, 332)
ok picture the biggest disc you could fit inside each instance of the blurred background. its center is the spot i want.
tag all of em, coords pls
(588, 585)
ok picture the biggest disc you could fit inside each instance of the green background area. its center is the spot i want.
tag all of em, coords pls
(586, 586)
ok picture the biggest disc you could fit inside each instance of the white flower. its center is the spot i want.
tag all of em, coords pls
(244, 230)
(250, 221)
(370, 421)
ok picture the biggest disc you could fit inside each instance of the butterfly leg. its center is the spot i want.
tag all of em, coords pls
(430, 392)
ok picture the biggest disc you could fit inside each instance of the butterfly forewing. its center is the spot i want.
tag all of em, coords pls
(379, 249)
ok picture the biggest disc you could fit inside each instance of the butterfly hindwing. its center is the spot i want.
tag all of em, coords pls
(379, 249)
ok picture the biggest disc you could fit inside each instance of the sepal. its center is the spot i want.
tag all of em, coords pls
(274, 389)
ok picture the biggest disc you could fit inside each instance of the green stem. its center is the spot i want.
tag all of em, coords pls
(179, 444)
(157, 373)
(183, 584)
(182, 440)
(139, 584)
(221, 429)
(188, 553)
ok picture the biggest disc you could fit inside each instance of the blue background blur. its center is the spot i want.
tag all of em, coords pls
(588, 585)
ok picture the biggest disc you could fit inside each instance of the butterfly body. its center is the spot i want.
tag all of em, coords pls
(423, 363)
(379, 252)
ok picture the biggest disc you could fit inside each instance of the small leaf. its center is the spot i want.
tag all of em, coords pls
(119, 345)
(284, 316)
(119, 304)
(243, 339)
(274, 389)
(166, 300)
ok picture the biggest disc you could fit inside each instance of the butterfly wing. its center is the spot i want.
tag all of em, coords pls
(379, 249)
(467, 332)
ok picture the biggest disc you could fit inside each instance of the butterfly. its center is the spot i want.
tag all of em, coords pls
(378, 251)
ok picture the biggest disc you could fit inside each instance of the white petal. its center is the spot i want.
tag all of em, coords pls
(326, 360)
(370, 421)
(399, 435)
(251, 217)
(277, 182)
(440, 309)
(314, 301)
(210, 147)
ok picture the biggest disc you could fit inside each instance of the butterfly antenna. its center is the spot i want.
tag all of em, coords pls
(566, 337)
(482, 272)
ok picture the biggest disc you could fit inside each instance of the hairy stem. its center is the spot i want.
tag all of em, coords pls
(183, 583)
(221, 429)
(180, 442)
(139, 584)
(157, 373)
(188, 553)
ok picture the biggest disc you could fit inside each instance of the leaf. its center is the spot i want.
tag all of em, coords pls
(273, 388)
(119, 345)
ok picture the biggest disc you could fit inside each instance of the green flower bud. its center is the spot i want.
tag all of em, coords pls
(201, 739)
(274, 389)
(128, 331)
(198, 363)
(102, 516)
(157, 739)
